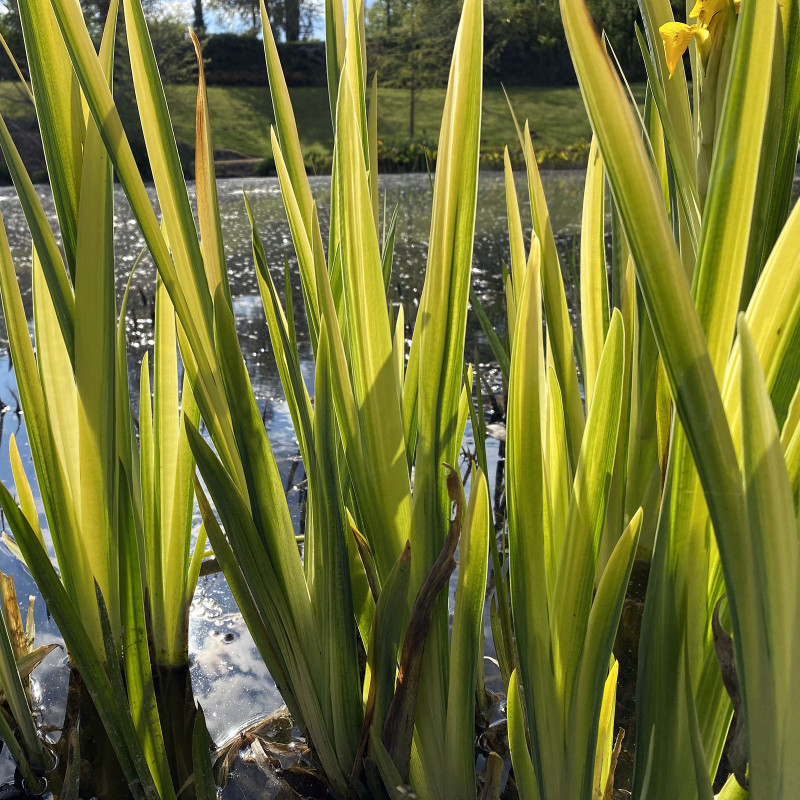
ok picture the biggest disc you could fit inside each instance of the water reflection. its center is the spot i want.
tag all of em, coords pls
(220, 643)
(411, 193)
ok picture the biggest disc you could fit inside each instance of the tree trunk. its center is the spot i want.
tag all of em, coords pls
(413, 77)
(292, 26)
(199, 20)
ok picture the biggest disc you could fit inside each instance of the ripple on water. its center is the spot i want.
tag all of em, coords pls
(220, 644)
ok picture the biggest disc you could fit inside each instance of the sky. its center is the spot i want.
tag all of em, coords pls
(217, 22)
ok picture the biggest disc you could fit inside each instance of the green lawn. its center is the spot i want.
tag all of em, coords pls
(240, 117)
(14, 101)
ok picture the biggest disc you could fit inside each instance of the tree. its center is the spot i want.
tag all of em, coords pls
(524, 40)
(94, 12)
(292, 18)
(246, 12)
(11, 29)
(408, 45)
(199, 19)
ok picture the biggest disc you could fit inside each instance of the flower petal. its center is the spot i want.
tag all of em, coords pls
(706, 10)
(677, 36)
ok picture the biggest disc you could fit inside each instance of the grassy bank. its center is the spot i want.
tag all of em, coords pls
(241, 117)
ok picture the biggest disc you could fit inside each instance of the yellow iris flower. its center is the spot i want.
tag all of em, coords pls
(677, 36)
(705, 10)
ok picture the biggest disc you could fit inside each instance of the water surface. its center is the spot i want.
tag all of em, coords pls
(221, 647)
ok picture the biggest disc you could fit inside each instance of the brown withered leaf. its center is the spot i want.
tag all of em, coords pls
(399, 725)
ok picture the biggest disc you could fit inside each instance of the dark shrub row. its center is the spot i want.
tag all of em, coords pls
(233, 60)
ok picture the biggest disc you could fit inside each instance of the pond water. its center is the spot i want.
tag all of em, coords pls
(220, 645)
(228, 675)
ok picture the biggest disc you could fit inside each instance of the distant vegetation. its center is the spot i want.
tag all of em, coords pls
(407, 41)
(241, 117)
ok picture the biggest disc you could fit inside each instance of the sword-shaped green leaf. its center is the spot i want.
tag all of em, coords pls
(95, 348)
(206, 187)
(466, 642)
(770, 594)
(594, 282)
(58, 108)
(586, 518)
